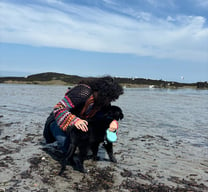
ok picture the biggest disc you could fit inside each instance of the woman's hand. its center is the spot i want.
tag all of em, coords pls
(81, 124)
(113, 126)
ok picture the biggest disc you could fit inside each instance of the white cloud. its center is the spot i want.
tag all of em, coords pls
(92, 29)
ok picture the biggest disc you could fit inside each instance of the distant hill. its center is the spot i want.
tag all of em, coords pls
(43, 78)
(71, 79)
(59, 78)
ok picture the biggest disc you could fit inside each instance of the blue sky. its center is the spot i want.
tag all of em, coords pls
(157, 39)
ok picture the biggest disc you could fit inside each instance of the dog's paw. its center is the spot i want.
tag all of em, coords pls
(112, 159)
(80, 169)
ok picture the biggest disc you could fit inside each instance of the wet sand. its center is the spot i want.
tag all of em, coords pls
(145, 163)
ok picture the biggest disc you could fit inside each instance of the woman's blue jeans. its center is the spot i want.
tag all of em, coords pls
(59, 135)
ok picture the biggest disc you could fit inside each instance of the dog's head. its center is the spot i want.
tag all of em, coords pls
(115, 112)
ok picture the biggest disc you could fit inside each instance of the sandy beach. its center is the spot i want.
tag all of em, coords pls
(28, 165)
(146, 162)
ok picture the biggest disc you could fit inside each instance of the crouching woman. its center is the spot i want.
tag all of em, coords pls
(80, 103)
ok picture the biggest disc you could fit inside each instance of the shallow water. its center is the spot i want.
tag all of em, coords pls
(179, 114)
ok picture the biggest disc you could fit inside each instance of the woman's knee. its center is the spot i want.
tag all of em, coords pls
(57, 133)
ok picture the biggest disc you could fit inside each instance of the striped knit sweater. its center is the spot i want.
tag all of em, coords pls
(78, 101)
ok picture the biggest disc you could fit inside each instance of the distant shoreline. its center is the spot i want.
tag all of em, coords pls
(70, 80)
(58, 82)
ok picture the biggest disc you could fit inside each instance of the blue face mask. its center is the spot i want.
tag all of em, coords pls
(111, 136)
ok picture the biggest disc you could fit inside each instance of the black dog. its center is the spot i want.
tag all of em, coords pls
(91, 139)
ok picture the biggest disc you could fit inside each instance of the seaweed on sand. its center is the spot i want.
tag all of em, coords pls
(96, 180)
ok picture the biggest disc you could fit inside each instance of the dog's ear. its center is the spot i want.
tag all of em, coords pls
(116, 112)
(118, 115)
(121, 116)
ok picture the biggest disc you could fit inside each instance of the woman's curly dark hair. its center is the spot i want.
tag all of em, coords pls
(107, 89)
